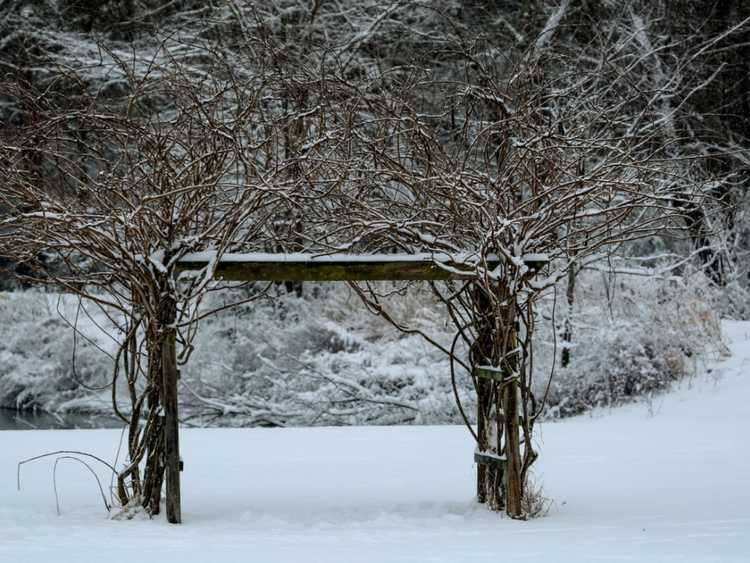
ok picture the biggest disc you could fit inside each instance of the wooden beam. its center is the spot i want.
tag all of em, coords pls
(535, 262)
(301, 268)
(490, 372)
(325, 271)
(487, 458)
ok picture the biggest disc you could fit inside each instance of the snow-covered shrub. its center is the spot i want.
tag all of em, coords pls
(732, 301)
(323, 359)
(37, 366)
(633, 336)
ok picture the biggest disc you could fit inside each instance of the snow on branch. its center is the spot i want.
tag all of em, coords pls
(553, 22)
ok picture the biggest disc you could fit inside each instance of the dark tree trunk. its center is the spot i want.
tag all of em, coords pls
(567, 336)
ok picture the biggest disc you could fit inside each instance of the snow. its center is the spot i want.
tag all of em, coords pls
(663, 481)
(536, 257)
(324, 259)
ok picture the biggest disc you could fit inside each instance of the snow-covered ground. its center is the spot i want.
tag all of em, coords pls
(666, 481)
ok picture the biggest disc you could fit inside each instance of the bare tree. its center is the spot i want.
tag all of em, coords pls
(517, 166)
(139, 194)
(536, 170)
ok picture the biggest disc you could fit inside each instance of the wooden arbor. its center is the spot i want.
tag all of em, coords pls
(303, 268)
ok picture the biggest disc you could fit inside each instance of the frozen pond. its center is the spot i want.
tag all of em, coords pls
(27, 420)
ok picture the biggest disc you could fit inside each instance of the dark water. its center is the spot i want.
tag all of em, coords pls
(26, 420)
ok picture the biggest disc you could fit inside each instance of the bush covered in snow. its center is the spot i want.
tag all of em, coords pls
(38, 369)
(633, 336)
(323, 359)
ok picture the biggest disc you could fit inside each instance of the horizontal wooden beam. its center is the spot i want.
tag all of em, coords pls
(302, 268)
(490, 459)
(489, 372)
(305, 271)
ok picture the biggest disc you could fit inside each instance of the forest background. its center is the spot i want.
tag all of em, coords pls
(623, 324)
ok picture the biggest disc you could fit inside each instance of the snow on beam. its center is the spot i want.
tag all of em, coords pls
(490, 372)
(339, 267)
(489, 458)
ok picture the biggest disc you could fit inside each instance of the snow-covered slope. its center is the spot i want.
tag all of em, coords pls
(669, 481)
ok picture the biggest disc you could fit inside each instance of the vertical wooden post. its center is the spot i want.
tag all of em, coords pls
(483, 441)
(489, 432)
(499, 485)
(513, 485)
(171, 422)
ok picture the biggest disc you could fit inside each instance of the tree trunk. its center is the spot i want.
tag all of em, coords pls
(567, 337)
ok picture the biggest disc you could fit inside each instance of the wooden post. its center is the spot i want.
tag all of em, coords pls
(171, 422)
(513, 485)
(483, 441)
(498, 484)
(489, 430)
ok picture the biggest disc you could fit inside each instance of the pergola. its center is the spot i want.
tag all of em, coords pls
(307, 268)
